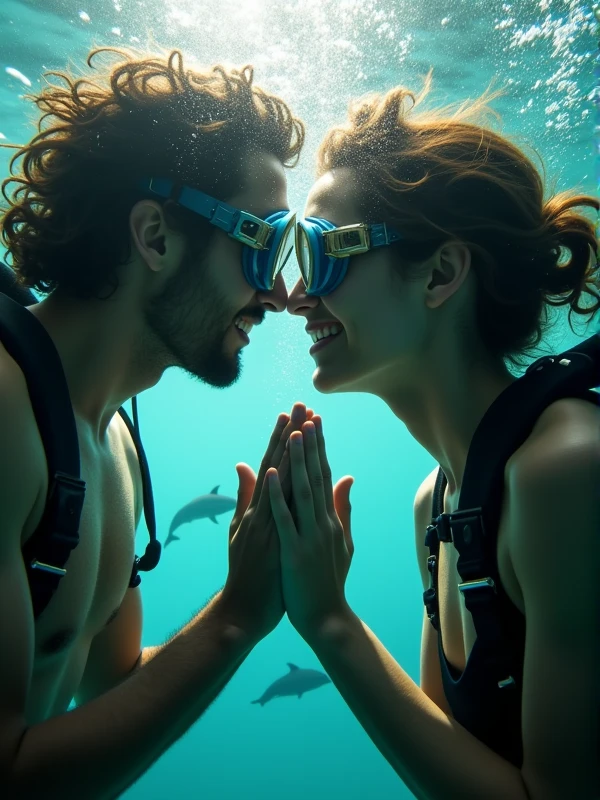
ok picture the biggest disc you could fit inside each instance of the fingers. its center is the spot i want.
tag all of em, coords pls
(246, 488)
(284, 522)
(305, 510)
(325, 468)
(284, 426)
(343, 508)
(275, 456)
(284, 474)
(263, 506)
(297, 418)
(313, 468)
(274, 441)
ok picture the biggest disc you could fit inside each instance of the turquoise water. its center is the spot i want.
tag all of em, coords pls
(317, 54)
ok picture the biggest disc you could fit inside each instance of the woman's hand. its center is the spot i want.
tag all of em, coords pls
(315, 536)
(252, 599)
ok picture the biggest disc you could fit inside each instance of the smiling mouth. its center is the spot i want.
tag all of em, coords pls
(243, 328)
(242, 334)
(321, 343)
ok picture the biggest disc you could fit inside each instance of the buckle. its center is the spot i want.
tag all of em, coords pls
(482, 583)
(441, 525)
(35, 564)
(506, 682)
(430, 601)
(251, 230)
(63, 510)
(431, 536)
(347, 241)
(539, 365)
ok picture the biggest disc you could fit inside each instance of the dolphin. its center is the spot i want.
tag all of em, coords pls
(205, 506)
(296, 682)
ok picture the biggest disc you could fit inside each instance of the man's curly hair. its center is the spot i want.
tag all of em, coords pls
(66, 224)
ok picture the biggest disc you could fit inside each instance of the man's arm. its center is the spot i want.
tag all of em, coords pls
(102, 747)
(116, 652)
(82, 753)
(99, 749)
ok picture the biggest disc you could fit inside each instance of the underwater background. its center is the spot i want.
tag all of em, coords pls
(317, 54)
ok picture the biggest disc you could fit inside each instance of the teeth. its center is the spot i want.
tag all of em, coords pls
(328, 330)
(243, 325)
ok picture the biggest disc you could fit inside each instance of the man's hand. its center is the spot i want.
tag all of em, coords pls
(252, 598)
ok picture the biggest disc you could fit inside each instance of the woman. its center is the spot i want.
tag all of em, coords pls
(455, 285)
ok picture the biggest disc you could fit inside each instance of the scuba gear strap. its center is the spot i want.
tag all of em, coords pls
(47, 551)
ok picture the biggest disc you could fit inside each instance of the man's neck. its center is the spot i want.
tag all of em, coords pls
(100, 344)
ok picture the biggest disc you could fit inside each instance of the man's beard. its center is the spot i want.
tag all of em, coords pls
(188, 323)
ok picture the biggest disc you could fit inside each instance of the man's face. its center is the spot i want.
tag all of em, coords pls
(193, 317)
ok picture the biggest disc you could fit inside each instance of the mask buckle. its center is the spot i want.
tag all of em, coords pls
(252, 231)
(347, 241)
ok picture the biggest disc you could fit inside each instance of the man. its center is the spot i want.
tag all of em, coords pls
(115, 219)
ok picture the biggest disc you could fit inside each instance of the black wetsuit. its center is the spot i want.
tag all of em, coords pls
(472, 696)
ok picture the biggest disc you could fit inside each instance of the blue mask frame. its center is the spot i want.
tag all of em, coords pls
(262, 240)
(322, 249)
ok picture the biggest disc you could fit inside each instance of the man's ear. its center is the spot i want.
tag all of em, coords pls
(156, 243)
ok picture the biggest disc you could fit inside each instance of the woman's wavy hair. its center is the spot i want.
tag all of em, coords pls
(438, 177)
(67, 221)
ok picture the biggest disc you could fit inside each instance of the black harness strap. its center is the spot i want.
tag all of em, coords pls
(473, 526)
(47, 551)
(152, 555)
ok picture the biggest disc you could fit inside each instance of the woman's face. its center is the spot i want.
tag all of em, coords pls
(384, 318)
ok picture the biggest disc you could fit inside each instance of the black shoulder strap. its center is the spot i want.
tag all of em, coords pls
(151, 556)
(48, 549)
(512, 416)
(505, 426)
(473, 526)
(27, 342)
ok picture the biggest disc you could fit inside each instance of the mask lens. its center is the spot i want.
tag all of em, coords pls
(304, 256)
(285, 249)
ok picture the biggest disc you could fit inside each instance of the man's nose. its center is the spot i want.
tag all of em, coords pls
(299, 302)
(276, 299)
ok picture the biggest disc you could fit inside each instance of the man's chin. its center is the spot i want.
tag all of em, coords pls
(220, 375)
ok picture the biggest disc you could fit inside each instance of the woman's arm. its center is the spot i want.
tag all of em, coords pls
(434, 755)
